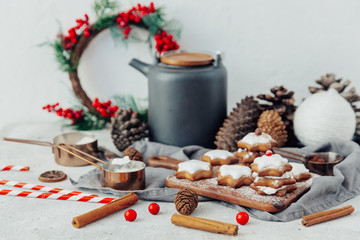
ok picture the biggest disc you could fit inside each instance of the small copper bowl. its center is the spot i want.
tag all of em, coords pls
(111, 175)
(130, 180)
(325, 167)
(84, 142)
(320, 162)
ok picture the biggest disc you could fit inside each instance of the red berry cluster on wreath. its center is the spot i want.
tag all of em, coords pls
(105, 108)
(68, 41)
(134, 15)
(65, 113)
(165, 42)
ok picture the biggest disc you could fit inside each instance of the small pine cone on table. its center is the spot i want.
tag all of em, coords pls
(240, 122)
(282, 101)
(186, 201)
(126, 128)
(270, 122)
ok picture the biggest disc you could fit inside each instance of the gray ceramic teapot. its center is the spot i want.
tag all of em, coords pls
(187, 98)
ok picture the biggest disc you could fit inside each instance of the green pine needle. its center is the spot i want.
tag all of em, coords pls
(117, 36)
(105, 21)
(128, 101)
(105, 7)
(63, 57)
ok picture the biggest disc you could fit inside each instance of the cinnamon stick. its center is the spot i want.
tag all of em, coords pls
(323, 216)
(204, 224)
(105, 210)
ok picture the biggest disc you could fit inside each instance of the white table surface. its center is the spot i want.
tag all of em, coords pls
(28, 218)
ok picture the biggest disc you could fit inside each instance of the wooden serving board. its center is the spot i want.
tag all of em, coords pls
(244, 196)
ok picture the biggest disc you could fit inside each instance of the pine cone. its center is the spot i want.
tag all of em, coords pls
(186, 201)
(270, 122)
(331, 81)
(283, 102)
(133, 154)
(126, 128)
(240, 122)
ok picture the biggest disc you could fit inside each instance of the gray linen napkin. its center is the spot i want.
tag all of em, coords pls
(325, 192)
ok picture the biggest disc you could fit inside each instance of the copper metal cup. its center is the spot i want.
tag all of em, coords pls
(73, 139)
(130, 180)
(325, 168)
(133, 180)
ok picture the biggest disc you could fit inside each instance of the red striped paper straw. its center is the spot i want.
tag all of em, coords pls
(13, 168)
(55, 196)
(42, 188)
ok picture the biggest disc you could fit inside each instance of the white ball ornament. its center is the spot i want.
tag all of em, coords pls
(323, 117)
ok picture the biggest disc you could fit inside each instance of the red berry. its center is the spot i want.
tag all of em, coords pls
(268, 153)
(242, 218)
(69, 46)
(86, 32)
(130, 215)
(127, 30)
(154, 208)
(73, 40)
(122, 24)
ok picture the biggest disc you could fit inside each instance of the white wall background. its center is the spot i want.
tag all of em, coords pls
(266, 43)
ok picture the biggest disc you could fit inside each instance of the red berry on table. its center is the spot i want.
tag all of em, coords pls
(154, 208)
(268, 153)
(130, 215)
(242, 218)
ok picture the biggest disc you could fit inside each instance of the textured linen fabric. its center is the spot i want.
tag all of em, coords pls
(325, 191)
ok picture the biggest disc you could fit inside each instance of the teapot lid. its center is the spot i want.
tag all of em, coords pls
(186, 59)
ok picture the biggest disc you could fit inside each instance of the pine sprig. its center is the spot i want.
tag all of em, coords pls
(103, 8)
(117, 35)
(154, 21)
(105, 22)
(63, 56)
(128, 101)
(173, 27)
(91, 122)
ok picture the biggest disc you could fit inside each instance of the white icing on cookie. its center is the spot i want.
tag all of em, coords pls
(285, 175)
(192, 166)
(298, 168)
(274, 161)
(270, 190)
(235, 171)
(252, 138)
(222, 154)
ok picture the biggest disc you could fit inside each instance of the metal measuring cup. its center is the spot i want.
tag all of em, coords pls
(320, 162)
(110, 177)
(84, 142)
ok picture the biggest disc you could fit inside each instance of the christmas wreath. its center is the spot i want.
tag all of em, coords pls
(70, 46)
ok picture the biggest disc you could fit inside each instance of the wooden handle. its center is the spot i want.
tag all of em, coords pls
(80, 157)
(291, 155)
(161, 161)
(84, 153)
(35, 142)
